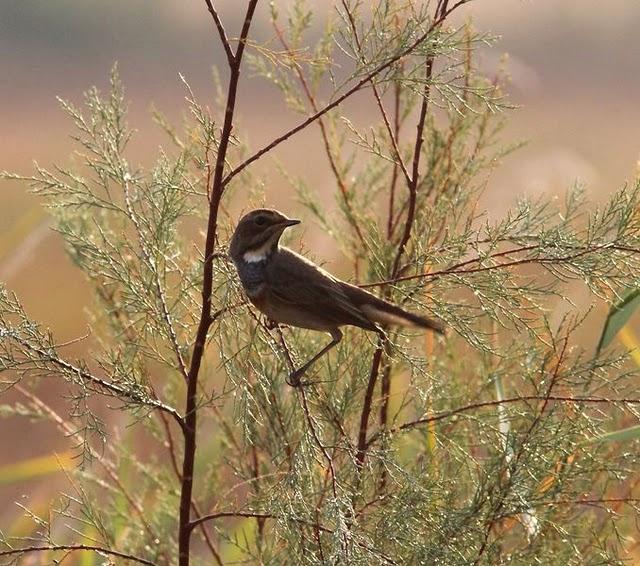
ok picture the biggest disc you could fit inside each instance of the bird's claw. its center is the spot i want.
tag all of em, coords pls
(294, 378)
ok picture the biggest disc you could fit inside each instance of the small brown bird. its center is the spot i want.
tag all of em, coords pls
(290, 289)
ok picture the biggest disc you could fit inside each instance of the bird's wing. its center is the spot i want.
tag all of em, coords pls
(300, 284)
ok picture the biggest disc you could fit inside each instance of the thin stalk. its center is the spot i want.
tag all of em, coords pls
(217, 189)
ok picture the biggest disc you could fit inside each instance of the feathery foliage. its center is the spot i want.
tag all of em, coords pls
(481, 448)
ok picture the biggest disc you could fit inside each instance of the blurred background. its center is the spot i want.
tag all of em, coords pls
(575, 76)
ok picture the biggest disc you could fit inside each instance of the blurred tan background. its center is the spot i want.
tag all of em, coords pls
(575, 68)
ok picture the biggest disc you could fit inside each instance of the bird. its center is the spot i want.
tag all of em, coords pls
(291, 290)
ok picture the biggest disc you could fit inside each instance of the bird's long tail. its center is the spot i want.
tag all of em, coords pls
(383, 312)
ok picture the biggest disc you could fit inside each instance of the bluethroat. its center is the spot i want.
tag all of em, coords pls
(289, 289)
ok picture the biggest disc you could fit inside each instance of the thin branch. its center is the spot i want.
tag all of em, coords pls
(342, 186)
(176, 470)
(217, 189)
(595, 501)
(330, 470)
(104, 384)
(243, 514)
(521, 399)
(74, 548)
(440, 16)
(366, 408)
(394, 173)
(223, 34)
(392, 136)
(413, 181)
(362, 82)
(146, 252)
(455, 269)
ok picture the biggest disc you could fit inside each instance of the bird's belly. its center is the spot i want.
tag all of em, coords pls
(293, 316)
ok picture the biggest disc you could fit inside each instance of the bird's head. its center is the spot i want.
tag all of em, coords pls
(257, 234)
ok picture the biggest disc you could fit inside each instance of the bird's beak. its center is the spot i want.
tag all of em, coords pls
(290, 222)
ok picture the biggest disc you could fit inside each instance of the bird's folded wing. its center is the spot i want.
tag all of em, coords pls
(302, 285)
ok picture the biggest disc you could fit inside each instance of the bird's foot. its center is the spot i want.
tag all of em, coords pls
(294, 377)
(270, 324)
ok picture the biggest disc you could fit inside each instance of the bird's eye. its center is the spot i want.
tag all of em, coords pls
(260, 220)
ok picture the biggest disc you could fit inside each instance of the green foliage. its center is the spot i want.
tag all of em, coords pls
(478, 448)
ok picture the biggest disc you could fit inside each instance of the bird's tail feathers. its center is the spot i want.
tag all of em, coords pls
(384, 312)
(393, 315)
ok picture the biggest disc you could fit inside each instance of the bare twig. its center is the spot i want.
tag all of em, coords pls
(413, 181)
(223, 34)
(368, 400)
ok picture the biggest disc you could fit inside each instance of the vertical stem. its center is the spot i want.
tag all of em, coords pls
(394, 174)
(413, 184)
(441, 14)
(368, 400)
(217, 189)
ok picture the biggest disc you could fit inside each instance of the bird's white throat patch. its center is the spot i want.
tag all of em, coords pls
(259, 254)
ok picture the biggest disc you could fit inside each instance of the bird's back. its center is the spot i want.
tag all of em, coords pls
(337, 302)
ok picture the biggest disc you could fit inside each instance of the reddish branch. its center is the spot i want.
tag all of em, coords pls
(442, 11)
(394, 173)
(206, 319)
(231, 58)
(458, 268)
(342, 186)
(74, 548)
(510, 400)
(355, 88)
(171, 448)
(366, 407)
(412, 183)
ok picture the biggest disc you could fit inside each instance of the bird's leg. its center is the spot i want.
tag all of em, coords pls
(270, 324)
(294, 376)
(285, 347)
